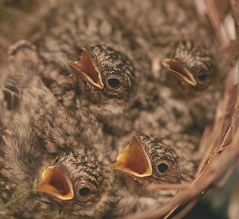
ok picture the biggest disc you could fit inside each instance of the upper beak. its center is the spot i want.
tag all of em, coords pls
(179, 71)
(55, 183)
(87, 70)
(133, 160)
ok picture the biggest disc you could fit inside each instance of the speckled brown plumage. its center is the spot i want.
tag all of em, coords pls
(178, 154)
(171, 30)
(126, 89)
(23, 161)
(145, 46)
(37, 134)
(171, 160)
(98, 34)
(23, 91)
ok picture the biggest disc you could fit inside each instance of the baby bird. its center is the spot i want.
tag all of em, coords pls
(189, 66)
(102, 80)
(87, 62)
(192, 65)
(193, 75)
(150, 160)
(108, 75)
(74, 183)
(46, 147)
(185, 93)
(158, 160)
(91, 47)
(24, 91)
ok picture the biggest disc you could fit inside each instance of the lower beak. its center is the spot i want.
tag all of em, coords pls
(87, 70)
(55, 183)
(179, 71)
(133, 160)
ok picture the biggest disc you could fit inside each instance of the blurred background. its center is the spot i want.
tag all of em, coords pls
(18, 19)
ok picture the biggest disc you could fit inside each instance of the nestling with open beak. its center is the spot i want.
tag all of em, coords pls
(102, 82)
(135, 161)
(23, 91)
(192, 65)
(89, 60)
(147, 160)
(73, 183)
(184, 55)
(82, 180)
(188, 91)
(39, 131)
(91, 64)
(105, 78)
(191, 71)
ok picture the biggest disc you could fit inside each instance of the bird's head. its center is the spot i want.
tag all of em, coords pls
(145, 158)
(78, 182)
(105, 77)
(190, 66)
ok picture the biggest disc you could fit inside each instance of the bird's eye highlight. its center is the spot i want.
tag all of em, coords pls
(162, 167)
(114, 83)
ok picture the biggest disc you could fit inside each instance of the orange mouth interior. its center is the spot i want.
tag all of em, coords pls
(179, 72)
(56, 184)
(133, 160)
(87, 69)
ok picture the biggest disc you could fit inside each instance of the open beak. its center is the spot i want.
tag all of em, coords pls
(179, 71)
(87, 70)
(133, 160)
(55, 183)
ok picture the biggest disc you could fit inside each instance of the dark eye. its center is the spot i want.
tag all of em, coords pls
(84, 191)
(202, 76)
(114, 83)
(163, 167)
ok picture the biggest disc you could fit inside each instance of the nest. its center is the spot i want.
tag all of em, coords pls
(219, 141)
